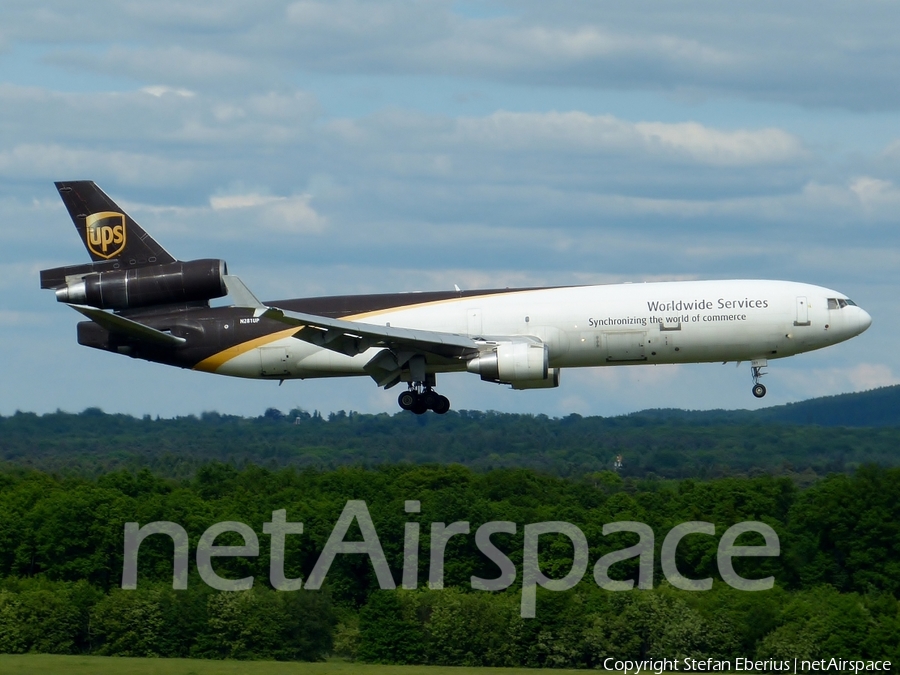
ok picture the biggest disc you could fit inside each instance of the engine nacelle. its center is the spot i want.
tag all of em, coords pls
(551, 382)
(178, 282)
(512, 362)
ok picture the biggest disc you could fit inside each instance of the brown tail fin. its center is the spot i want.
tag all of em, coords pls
(107, 231)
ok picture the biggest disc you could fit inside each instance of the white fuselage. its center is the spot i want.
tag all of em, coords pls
(586, 326)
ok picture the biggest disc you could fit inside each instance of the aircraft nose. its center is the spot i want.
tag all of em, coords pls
(863, 320)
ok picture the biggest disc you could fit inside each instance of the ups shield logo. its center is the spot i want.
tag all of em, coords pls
(106, 233)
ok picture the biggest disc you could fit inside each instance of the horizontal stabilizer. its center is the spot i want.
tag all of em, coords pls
(122, 326)
(60, 276)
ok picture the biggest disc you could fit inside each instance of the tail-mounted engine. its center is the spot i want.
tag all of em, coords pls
(523, 365)
(171, 283)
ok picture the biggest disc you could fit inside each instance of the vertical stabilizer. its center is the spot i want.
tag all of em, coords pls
(107, 231)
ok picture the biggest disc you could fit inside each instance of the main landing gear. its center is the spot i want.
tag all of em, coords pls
(419, 398)
(756, 371)
(421, 395)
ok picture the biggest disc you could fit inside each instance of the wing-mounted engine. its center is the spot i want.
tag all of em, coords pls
(523, 365)
(551, 381)
(100, 286)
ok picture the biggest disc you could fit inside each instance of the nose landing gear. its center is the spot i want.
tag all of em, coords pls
(756, 371)
(419, 398)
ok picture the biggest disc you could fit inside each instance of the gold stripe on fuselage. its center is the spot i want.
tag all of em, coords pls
(446, 301)
(213, 363)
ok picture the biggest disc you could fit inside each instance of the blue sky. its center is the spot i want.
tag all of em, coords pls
(344, 147)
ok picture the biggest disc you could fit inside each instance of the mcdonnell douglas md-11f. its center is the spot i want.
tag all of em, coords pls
(142, 302)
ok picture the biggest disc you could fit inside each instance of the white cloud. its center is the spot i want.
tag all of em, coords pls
(174, 63)
(812, 52)
(153, 115)
(161, 90)
(724, 148)
(875, 193)
(53, 162)
(292, 215)
(367, 21)
(220, 202)
(865, 376)
(838, 379)
(512, 46)
(207, 17)
(892, 150)
(577, 132)
(432, 37)
(18, 319)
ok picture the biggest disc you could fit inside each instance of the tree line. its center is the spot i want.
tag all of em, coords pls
(666, 444)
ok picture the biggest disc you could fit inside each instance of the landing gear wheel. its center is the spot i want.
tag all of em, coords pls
(420, 396)
(430, 398)
(442, 405)
(408, 399)
(756, 371)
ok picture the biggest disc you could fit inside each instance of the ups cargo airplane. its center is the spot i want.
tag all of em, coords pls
(142, 302)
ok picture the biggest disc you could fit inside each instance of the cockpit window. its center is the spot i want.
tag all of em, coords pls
(840, 303)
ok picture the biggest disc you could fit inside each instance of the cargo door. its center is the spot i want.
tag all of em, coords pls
(626, 346)
(274, 361)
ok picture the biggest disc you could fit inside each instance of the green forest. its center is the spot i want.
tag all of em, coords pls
(661, 443)
(70, 482)
(836, 591)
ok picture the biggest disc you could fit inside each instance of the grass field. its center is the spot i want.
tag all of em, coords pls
(45, 664)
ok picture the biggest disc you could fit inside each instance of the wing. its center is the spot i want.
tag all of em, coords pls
(353, 337)
(398, 346)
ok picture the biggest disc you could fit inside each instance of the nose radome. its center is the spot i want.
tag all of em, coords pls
(864, 320)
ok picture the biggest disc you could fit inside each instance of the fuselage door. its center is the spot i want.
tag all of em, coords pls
(626, 346)
(802, 312)
(274, 361)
